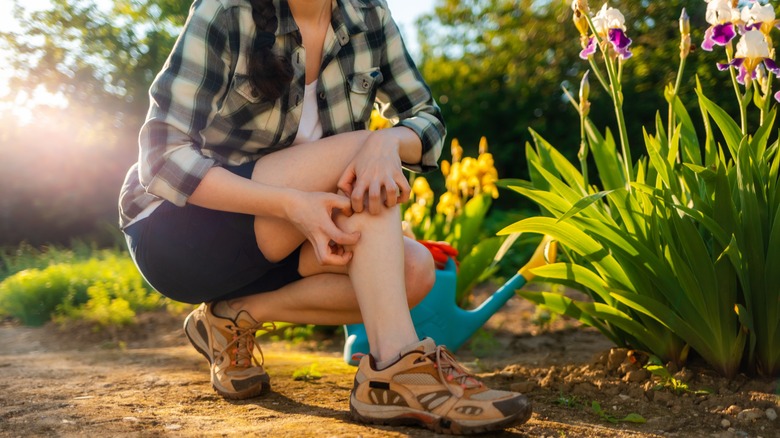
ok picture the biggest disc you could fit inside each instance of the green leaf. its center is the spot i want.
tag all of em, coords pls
(566, 306)
(728, 127)
(691, 151)
(575, 273)
(576, 240)
(760, 139)
(658, 160)
(634, 418)
(469, 224)
(710, 150)
(692, 331)
(584, 203)
(473, 265)
(606, 158)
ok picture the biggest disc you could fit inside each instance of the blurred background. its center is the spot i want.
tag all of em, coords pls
(74, 76)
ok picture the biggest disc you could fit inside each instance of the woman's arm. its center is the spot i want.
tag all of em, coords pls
(375, 177)
(403, 96)
(184, 98)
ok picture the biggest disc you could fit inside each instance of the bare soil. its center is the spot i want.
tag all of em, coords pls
(146, 380)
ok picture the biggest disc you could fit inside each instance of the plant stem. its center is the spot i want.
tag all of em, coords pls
(675, 91)
(740, 97)
(583, 153)
(595, 69)
(767, 96)
(617, 100)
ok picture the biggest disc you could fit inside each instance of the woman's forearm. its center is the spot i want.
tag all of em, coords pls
(222, 190)
(409, 144)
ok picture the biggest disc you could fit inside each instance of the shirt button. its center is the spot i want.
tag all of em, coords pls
(321, 95)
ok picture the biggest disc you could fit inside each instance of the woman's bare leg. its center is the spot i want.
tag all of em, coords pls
(326, 297)
(376, 279)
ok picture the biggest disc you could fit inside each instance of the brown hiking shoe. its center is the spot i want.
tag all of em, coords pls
(428, 387)
(228, 343)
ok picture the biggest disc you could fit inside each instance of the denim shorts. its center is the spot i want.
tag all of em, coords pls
(194, 254)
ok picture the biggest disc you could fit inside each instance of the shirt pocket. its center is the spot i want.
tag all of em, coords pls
(243, 109)
(362, 93)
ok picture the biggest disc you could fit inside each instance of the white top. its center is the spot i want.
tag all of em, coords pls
(309, 129)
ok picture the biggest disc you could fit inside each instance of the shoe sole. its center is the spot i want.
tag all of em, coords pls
(443, 425)
(197, 341)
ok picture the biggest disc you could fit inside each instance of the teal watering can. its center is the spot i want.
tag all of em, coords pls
(439, 317)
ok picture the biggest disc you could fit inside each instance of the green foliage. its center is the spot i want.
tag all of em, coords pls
(667, 380)
(105, 288)
(572, 401)
(497, 67)
(664, 274)
(606, 416)
(679, 250)
(307, 373)
(96, 55)
(61, 178)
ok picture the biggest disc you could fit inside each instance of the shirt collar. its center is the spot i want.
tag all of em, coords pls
(345, 13)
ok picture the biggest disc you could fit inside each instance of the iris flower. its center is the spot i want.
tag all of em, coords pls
(758, 17)
(752, 50)
(722, 16)
(611, 26)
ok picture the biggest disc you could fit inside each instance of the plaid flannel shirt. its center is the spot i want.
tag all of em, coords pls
(203, 113)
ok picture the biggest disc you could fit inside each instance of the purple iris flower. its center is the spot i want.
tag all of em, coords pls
(719, 34)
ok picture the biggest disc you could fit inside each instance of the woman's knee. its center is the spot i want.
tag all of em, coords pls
(420, 271)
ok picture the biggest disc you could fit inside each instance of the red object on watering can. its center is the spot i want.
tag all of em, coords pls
(442, 252)
(440, 318)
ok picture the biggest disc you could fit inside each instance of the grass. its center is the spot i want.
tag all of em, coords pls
(81, 283)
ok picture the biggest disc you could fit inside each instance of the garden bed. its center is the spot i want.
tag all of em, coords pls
(146, 380)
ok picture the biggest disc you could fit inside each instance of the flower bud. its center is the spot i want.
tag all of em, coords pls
(584, 94)
(685, 23)
(483, 145)
(580, 5)
(457, 151)
(445, 168)
(761, 75)
(580, 22)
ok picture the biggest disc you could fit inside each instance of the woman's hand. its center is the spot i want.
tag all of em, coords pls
(312, 213)
(374, 177)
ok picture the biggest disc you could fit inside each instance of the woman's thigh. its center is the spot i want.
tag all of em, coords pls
(193, 254)
(311, 167)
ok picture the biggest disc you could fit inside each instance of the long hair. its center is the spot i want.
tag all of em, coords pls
(269, 74)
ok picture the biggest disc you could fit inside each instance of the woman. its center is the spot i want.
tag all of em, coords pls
(259, 193)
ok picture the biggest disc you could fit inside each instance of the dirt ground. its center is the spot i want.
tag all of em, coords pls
(147, 381)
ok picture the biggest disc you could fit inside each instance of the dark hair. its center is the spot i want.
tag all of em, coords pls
(269, 74)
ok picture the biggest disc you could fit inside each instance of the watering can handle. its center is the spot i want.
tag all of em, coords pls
(546, 253)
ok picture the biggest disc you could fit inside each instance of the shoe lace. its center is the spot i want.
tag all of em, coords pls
(244, 342)
(450, 370)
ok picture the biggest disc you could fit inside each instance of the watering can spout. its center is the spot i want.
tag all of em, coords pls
(545, 253)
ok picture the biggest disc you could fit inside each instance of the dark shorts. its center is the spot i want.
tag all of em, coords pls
(193, 254)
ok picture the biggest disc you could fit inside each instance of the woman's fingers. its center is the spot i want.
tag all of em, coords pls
(404, 189)
(347, 181)
(334, 255)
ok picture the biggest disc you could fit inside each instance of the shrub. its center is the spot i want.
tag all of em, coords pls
(105, 288)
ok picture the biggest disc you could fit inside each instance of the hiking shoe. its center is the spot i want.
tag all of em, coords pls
(428, 387)
(228, 344)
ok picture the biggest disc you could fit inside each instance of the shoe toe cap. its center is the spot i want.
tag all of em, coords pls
(519, 406)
